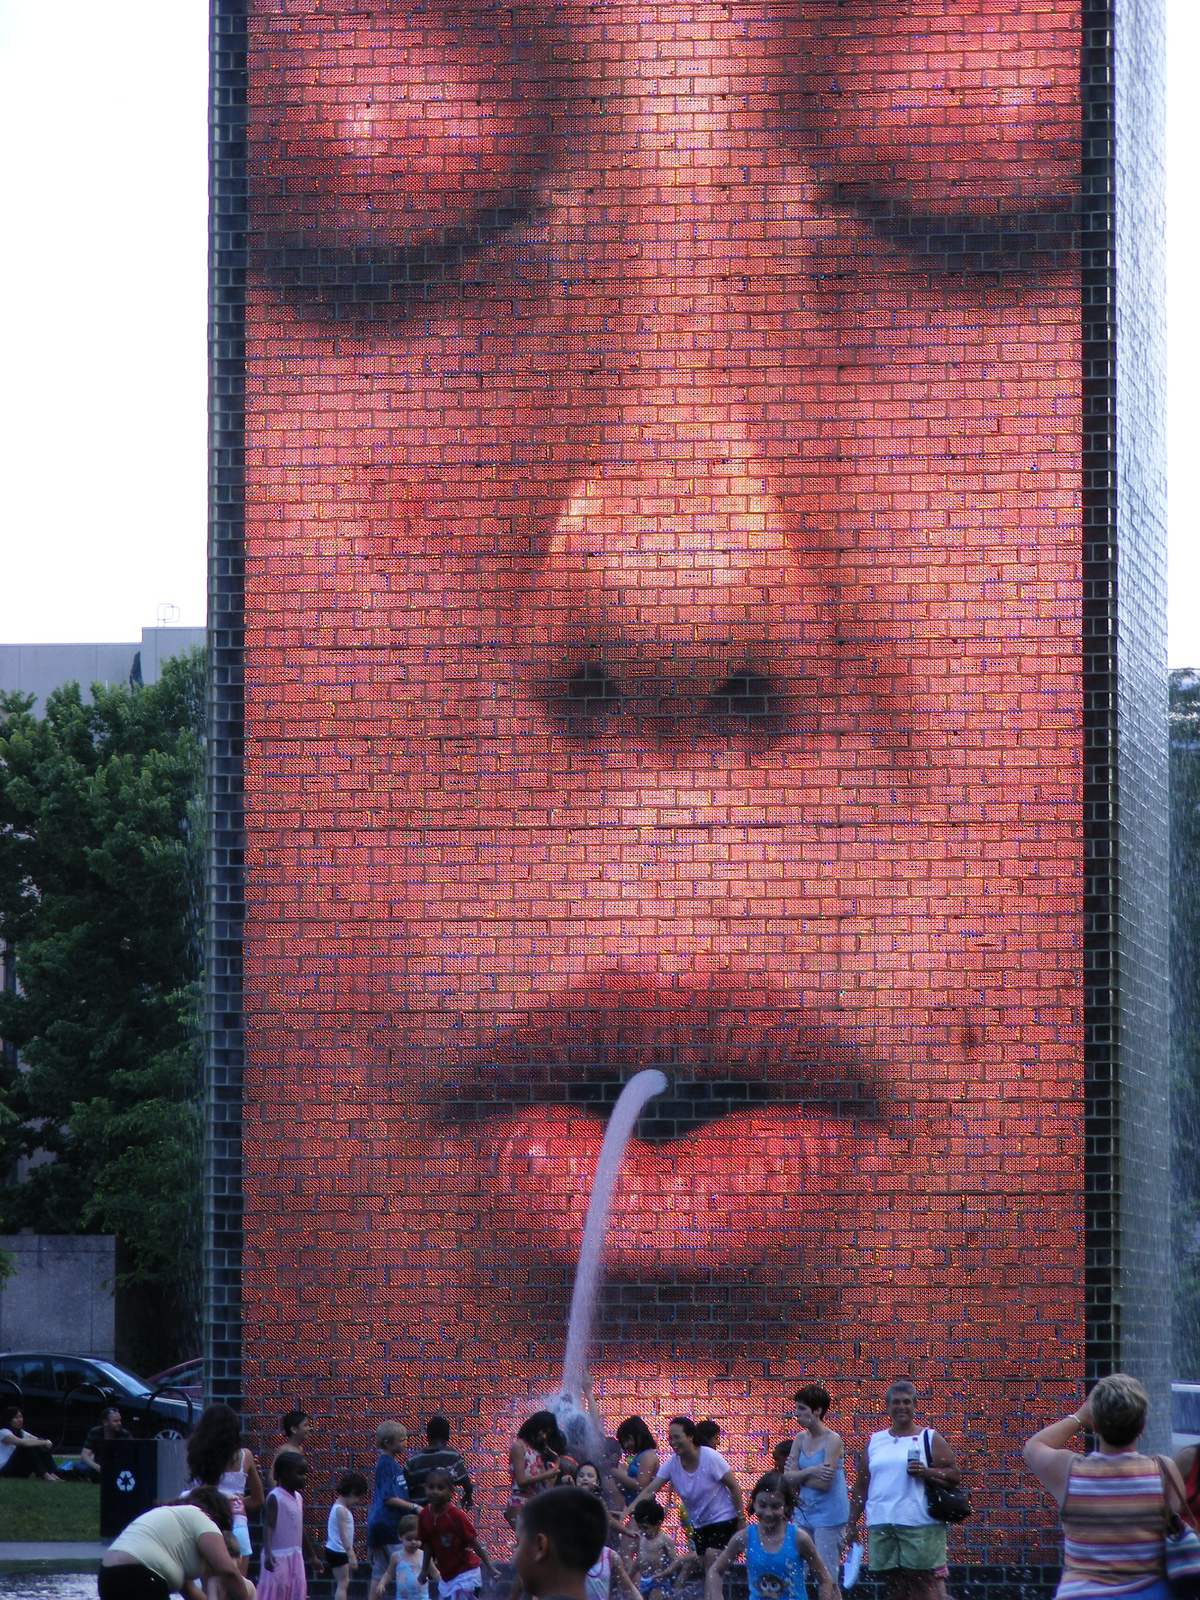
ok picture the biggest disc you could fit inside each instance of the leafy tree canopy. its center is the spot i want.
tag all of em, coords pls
(101, 875)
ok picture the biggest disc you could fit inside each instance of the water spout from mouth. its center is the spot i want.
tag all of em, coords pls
(582, 1315)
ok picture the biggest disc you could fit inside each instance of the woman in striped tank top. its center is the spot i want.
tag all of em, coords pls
(1111, 1503)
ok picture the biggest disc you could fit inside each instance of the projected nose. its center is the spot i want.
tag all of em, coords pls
(683, 573)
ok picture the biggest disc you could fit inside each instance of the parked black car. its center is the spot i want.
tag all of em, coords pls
(57, 1408)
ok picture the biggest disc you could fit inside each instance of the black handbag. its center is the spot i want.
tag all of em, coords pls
(944, 1505)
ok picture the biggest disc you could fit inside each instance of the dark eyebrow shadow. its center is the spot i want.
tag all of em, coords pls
(969, 242)
(382, 283)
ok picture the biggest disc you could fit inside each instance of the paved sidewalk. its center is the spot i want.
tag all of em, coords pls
(47, 1555)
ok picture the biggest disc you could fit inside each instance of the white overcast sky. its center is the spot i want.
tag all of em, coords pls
(102, 392)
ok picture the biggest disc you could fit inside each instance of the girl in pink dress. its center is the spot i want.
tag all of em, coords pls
(285, 1543)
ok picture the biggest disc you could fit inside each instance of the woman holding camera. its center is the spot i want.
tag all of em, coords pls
(1111, 1502)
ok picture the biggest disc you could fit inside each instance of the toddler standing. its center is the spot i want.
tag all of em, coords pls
(352, 1490)
(406, 1564)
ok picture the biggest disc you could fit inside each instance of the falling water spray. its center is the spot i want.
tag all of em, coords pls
(590, 1271)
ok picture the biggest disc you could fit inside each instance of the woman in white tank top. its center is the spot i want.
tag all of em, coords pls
(217, 1457)
(905, 1545)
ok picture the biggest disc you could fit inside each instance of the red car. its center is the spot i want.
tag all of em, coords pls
(186, 1376)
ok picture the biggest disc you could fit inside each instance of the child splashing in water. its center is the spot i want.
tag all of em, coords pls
(608, 1568)
(659, 1564)
(449, 1539)
(776, 1552)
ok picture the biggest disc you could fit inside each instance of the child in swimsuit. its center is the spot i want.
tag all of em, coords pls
(776, 1551)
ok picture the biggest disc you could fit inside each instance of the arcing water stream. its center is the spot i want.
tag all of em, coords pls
(590, 1272)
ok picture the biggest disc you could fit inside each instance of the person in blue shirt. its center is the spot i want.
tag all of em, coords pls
(816, 1473)
(389, 1502)
(775, 1550)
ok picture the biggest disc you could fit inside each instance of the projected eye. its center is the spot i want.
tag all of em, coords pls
(592, 688)
(744, 694)
(587, 695)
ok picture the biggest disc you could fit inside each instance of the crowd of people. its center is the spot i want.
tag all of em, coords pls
(601, 1500)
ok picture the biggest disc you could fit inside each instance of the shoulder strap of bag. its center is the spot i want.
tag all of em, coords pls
(1173, 1485)
(928, 1451)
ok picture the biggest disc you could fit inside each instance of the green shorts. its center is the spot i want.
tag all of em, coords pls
(915, 1549)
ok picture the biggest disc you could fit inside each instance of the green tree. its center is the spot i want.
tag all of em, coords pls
(101, 880)
(1185, 1015)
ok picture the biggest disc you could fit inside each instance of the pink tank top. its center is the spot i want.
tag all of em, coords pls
(289, 1522)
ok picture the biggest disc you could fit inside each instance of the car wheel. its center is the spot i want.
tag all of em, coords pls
(168, 1433)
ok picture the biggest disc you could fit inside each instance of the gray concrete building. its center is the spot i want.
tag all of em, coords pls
(38, 668)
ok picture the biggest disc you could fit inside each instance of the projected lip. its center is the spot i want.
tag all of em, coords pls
(718, 1220)
(724, 1055)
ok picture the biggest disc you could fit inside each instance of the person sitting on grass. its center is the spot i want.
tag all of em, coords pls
(108, 1427)
(560, 1534)
(23, 1455)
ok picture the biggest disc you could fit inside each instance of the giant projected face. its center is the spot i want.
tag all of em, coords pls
(663, 648)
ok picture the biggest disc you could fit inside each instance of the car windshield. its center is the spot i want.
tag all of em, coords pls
(131, 1384)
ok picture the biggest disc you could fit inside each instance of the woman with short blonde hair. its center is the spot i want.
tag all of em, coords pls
(1111, 1502)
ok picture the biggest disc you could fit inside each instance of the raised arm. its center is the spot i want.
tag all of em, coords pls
(1046, 1454)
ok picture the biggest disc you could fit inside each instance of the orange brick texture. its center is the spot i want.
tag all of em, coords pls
(663, 647)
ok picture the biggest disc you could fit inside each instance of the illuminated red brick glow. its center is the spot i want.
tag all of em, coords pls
(663, 647)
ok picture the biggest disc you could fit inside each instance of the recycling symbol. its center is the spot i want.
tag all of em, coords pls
(126, 1481)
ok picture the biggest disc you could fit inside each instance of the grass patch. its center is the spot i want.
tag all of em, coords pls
(30, 1509)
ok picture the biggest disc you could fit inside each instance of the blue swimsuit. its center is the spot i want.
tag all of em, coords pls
(774, 1575)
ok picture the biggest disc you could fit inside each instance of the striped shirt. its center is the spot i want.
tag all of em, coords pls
(1112, 1523)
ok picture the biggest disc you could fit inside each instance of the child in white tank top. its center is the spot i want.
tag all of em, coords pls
(352, 1490)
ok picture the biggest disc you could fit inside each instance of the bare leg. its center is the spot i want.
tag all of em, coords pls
(905, 1583)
